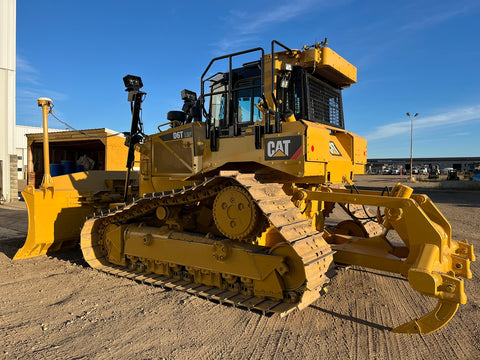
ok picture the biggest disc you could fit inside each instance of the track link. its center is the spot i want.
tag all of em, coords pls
(296, 230)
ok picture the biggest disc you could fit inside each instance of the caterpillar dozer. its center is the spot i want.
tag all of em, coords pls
(234, 195)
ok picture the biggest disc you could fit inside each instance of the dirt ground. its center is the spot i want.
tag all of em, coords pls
(56, 307)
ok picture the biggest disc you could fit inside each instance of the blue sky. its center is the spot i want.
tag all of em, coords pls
(412, 56)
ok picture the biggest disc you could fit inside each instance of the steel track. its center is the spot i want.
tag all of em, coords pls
(308, 243)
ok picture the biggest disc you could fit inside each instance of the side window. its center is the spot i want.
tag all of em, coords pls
(244, 106)
(217, 105)
(217, 109)
(257, 114)
(247, 95)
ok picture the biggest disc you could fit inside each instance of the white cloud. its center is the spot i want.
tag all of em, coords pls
(26, 73)
(453, 117)
(24, 65)
(27, 94)
(28, 112)
(225, 46)
(244, 25)
(29, 89)
(428, 21)
(283, 13)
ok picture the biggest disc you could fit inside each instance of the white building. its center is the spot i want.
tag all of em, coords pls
(8, 158)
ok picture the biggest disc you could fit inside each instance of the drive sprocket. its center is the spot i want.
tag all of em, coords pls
(236, 215)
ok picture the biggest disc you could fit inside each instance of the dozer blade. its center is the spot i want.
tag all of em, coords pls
(56, 214)
(428, 257)
(54, 221)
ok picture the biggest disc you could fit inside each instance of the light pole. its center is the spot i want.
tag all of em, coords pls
(411, 143)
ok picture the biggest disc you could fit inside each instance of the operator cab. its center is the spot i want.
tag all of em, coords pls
(305, 86)
(236, 99)
(246, 93)
(307, 96)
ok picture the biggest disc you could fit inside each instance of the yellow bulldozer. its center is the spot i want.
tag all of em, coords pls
(233, 197)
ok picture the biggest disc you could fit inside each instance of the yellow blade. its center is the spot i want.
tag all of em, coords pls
(55, 218)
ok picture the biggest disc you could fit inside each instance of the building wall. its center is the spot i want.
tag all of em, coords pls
(108, 152)
(21, 147)
(13, 178)
(7, 93)
(460, 164)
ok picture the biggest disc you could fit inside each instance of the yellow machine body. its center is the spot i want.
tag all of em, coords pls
(234, 208)
(309, 152)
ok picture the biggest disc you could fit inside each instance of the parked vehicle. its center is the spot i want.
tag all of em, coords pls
(452, 175)
(434, 172)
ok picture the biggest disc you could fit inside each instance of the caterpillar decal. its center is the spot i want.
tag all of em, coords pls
(334, 150)
(283, 148)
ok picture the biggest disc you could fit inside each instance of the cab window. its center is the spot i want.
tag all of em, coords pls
(247, 94)
(217, 106)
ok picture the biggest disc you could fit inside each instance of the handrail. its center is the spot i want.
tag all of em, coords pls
(229, 88)
(274, 100)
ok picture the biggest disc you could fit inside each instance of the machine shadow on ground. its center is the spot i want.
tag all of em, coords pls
(10, 246)
(352, 319)
(373, 272)
(73, 256)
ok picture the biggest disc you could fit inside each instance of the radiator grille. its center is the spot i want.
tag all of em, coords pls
(324, 103)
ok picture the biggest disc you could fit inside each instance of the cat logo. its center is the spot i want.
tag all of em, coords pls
(334, 150)
(284, 148)
(277, 148)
